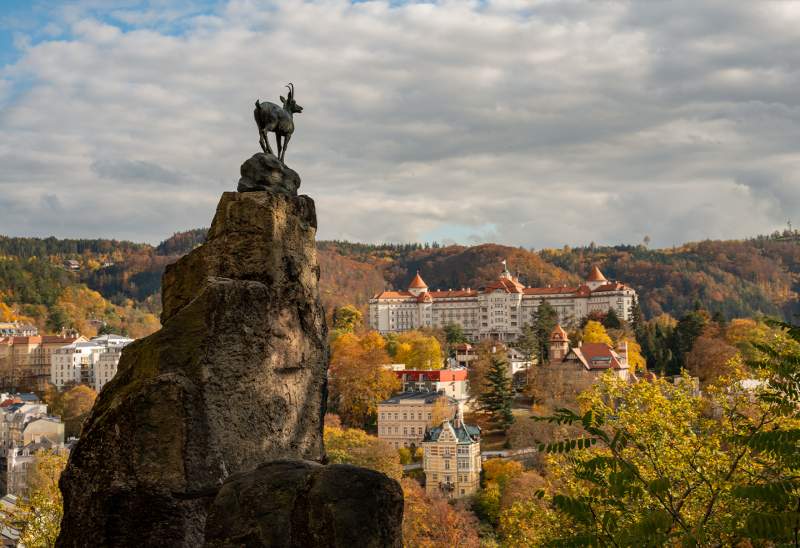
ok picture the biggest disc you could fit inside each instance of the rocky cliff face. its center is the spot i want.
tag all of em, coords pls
(298, 504)
(235, 378)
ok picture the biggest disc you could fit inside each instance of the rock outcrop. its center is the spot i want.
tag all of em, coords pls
(266, 172)
(297, 504)
(236, 377)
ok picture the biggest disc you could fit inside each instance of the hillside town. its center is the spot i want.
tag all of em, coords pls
(436, 390)
(49, 379)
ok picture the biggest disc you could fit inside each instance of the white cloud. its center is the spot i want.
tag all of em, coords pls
(533, 123)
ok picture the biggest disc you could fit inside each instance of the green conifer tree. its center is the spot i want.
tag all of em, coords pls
(498, 395)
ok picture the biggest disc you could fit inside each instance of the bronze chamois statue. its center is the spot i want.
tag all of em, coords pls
(271, 117)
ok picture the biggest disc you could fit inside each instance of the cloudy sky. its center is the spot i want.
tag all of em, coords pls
(538, 123)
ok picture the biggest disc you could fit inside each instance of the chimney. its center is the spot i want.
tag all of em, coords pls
(622, 350)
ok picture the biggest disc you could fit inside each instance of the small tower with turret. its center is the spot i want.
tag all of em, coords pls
(596, 278)
(559, 344)
(417, 286)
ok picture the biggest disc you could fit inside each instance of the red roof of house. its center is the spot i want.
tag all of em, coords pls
(509, 285)
(453, 293)
(418, 282)
(596, 356)
(611, 286)
(549, 290)
(506, 284)
(595, 275)
(433, 375)
(394, 295)
(58, 339)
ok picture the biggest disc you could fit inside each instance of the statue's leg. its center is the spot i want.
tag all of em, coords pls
(285, 145)
(265, 142)
(278, 140)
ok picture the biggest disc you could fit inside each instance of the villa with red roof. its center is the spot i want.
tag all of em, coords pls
(497, 311)
(587, 360)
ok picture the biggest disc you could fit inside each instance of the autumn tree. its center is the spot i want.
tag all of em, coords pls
(346, 319)
(594, 332)
(430, 521)
(41, 510)
(774, 492)
(77, 402)
(655, 467)
(6, 313)
(498, 394)
(418, 351)
(441, 410)
(354, 446)
(636, 360)
(710, 358)
(497, 474)
(358, 378)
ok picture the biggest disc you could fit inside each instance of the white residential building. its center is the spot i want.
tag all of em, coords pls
(93, 362)
(498, 311)
(21, 460)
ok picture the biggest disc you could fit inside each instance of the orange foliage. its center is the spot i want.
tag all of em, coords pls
(431, 521)
(358, 382)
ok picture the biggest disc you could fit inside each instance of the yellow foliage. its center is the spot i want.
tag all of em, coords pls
(594, 332)
(636, 361)
(419, 351)
(40, 513)
(354, 446)
(358, 379)
(501, 471)
(6, 314)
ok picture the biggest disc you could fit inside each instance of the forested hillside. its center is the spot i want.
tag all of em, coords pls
(116, 284)
(734, 278)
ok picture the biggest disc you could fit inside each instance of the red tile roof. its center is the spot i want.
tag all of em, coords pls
(434, 375)
(596, 356)
(418, 282)
(394, 295)
(595, 275)
(549, 290)
(611, 286)
(453, 293)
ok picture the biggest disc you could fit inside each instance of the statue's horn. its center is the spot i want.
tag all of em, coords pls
(291, 89)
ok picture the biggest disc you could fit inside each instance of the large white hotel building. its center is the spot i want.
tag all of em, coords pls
(497, 311)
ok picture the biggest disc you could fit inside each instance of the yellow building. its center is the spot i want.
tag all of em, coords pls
(452, 458)
(403, 418)
(25, 361)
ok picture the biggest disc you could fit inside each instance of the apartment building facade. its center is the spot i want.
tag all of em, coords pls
(498, 311)
(404, 418)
